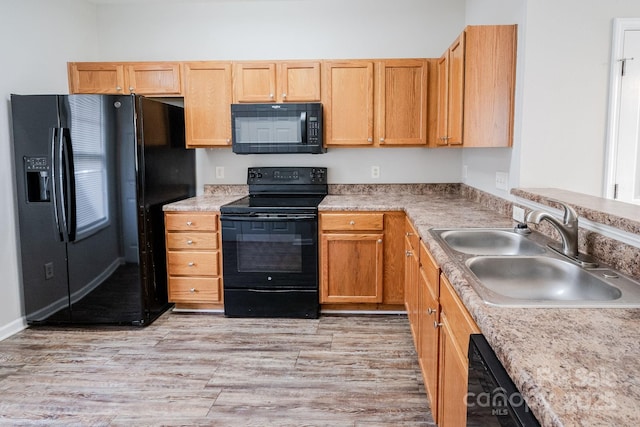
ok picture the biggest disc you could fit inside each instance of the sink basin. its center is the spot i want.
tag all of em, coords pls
(512, 270)
(481, 241)
(540, 279)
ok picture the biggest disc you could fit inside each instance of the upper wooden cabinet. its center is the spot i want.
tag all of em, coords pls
(476, 88)
(401, 107)
(292, 81)
(489, 85)
(207, 101)
(375, 103)
(451, 94)
(123, 78)
(347, 100)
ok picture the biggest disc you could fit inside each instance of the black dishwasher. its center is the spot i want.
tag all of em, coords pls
(492, 398)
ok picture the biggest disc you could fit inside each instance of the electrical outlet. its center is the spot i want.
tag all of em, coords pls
(375, 171)
(518, 214)
(502, 180)
(219, 172)
(48, 271)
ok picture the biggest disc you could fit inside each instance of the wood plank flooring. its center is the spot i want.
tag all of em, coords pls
(208, 370)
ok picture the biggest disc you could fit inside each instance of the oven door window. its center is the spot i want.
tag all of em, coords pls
(266, 253)
(269, 254)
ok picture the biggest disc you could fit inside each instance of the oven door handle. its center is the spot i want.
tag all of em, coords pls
(268, 218)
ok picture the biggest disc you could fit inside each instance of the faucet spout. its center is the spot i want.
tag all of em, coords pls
(567, 228)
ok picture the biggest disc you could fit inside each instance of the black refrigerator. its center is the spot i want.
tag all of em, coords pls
(92, 174)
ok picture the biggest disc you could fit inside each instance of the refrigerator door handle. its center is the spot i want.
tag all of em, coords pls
(69, 182)
(55, 176)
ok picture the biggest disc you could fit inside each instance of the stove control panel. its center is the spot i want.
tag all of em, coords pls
(286, 175)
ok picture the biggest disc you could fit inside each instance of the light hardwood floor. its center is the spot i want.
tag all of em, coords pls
(208, 370)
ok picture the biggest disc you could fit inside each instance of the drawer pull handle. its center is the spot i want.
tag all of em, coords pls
(189, 242)
(352, 223)
(191, 264)
(192, 290)
(189, 223)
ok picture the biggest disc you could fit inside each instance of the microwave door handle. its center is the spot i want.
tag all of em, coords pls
(303, 127)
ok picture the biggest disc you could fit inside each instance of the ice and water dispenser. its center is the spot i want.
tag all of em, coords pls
(38, 174)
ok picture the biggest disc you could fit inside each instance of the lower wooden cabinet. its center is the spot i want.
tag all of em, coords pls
(411, 276)
(360, 263)
(194, 264)
(441, 326)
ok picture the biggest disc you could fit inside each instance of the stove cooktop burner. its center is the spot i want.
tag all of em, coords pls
(276, 203)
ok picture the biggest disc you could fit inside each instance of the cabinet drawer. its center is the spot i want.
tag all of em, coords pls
(431, 270)
(194, 289)
(461, 323)
(192, 263)
(411, 234)
(352, 221)
(192, 240)
(190, 221)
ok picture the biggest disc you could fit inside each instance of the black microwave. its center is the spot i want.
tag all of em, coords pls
(276, 128)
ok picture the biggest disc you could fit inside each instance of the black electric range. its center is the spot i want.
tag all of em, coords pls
(270, 244)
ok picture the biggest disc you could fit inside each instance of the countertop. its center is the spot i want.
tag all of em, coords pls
(575, 367)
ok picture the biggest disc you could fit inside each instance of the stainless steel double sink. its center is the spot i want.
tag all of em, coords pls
(516, 270)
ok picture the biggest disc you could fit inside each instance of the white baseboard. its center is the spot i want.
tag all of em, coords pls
(13, 328)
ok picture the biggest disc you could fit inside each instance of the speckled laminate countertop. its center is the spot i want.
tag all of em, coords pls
(575, 367)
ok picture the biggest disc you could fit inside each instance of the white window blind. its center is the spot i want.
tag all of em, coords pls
(90, 162)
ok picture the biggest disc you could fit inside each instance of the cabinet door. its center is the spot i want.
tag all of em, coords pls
(428, 318)
(347, 97)
(162, 78)
(489, 85)
(254, 82)
(207, 103)
(455, 93)
(299, 82)
(401, 117)
(96, 77)
(411, 271)
(443, 99)
(352, 268)
(452, 408)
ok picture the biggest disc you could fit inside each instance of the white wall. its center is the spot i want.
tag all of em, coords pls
(294, 29)
(37, 38)
(565, 92)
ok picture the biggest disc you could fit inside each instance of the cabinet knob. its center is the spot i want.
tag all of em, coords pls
(189, 242)
(431, 310)
(191, 264)
(408, 253)
(379, 240)
(369, 139)
(284, 96)
(131, 89)
(381, 139)
(118, 88)
(192, 290)
(352, 222)
(271, 95)
(189, 223)
(408, 234)
(228, 140)
(436, 325)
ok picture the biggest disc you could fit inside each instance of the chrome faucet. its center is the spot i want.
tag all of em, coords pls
(568, 228)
